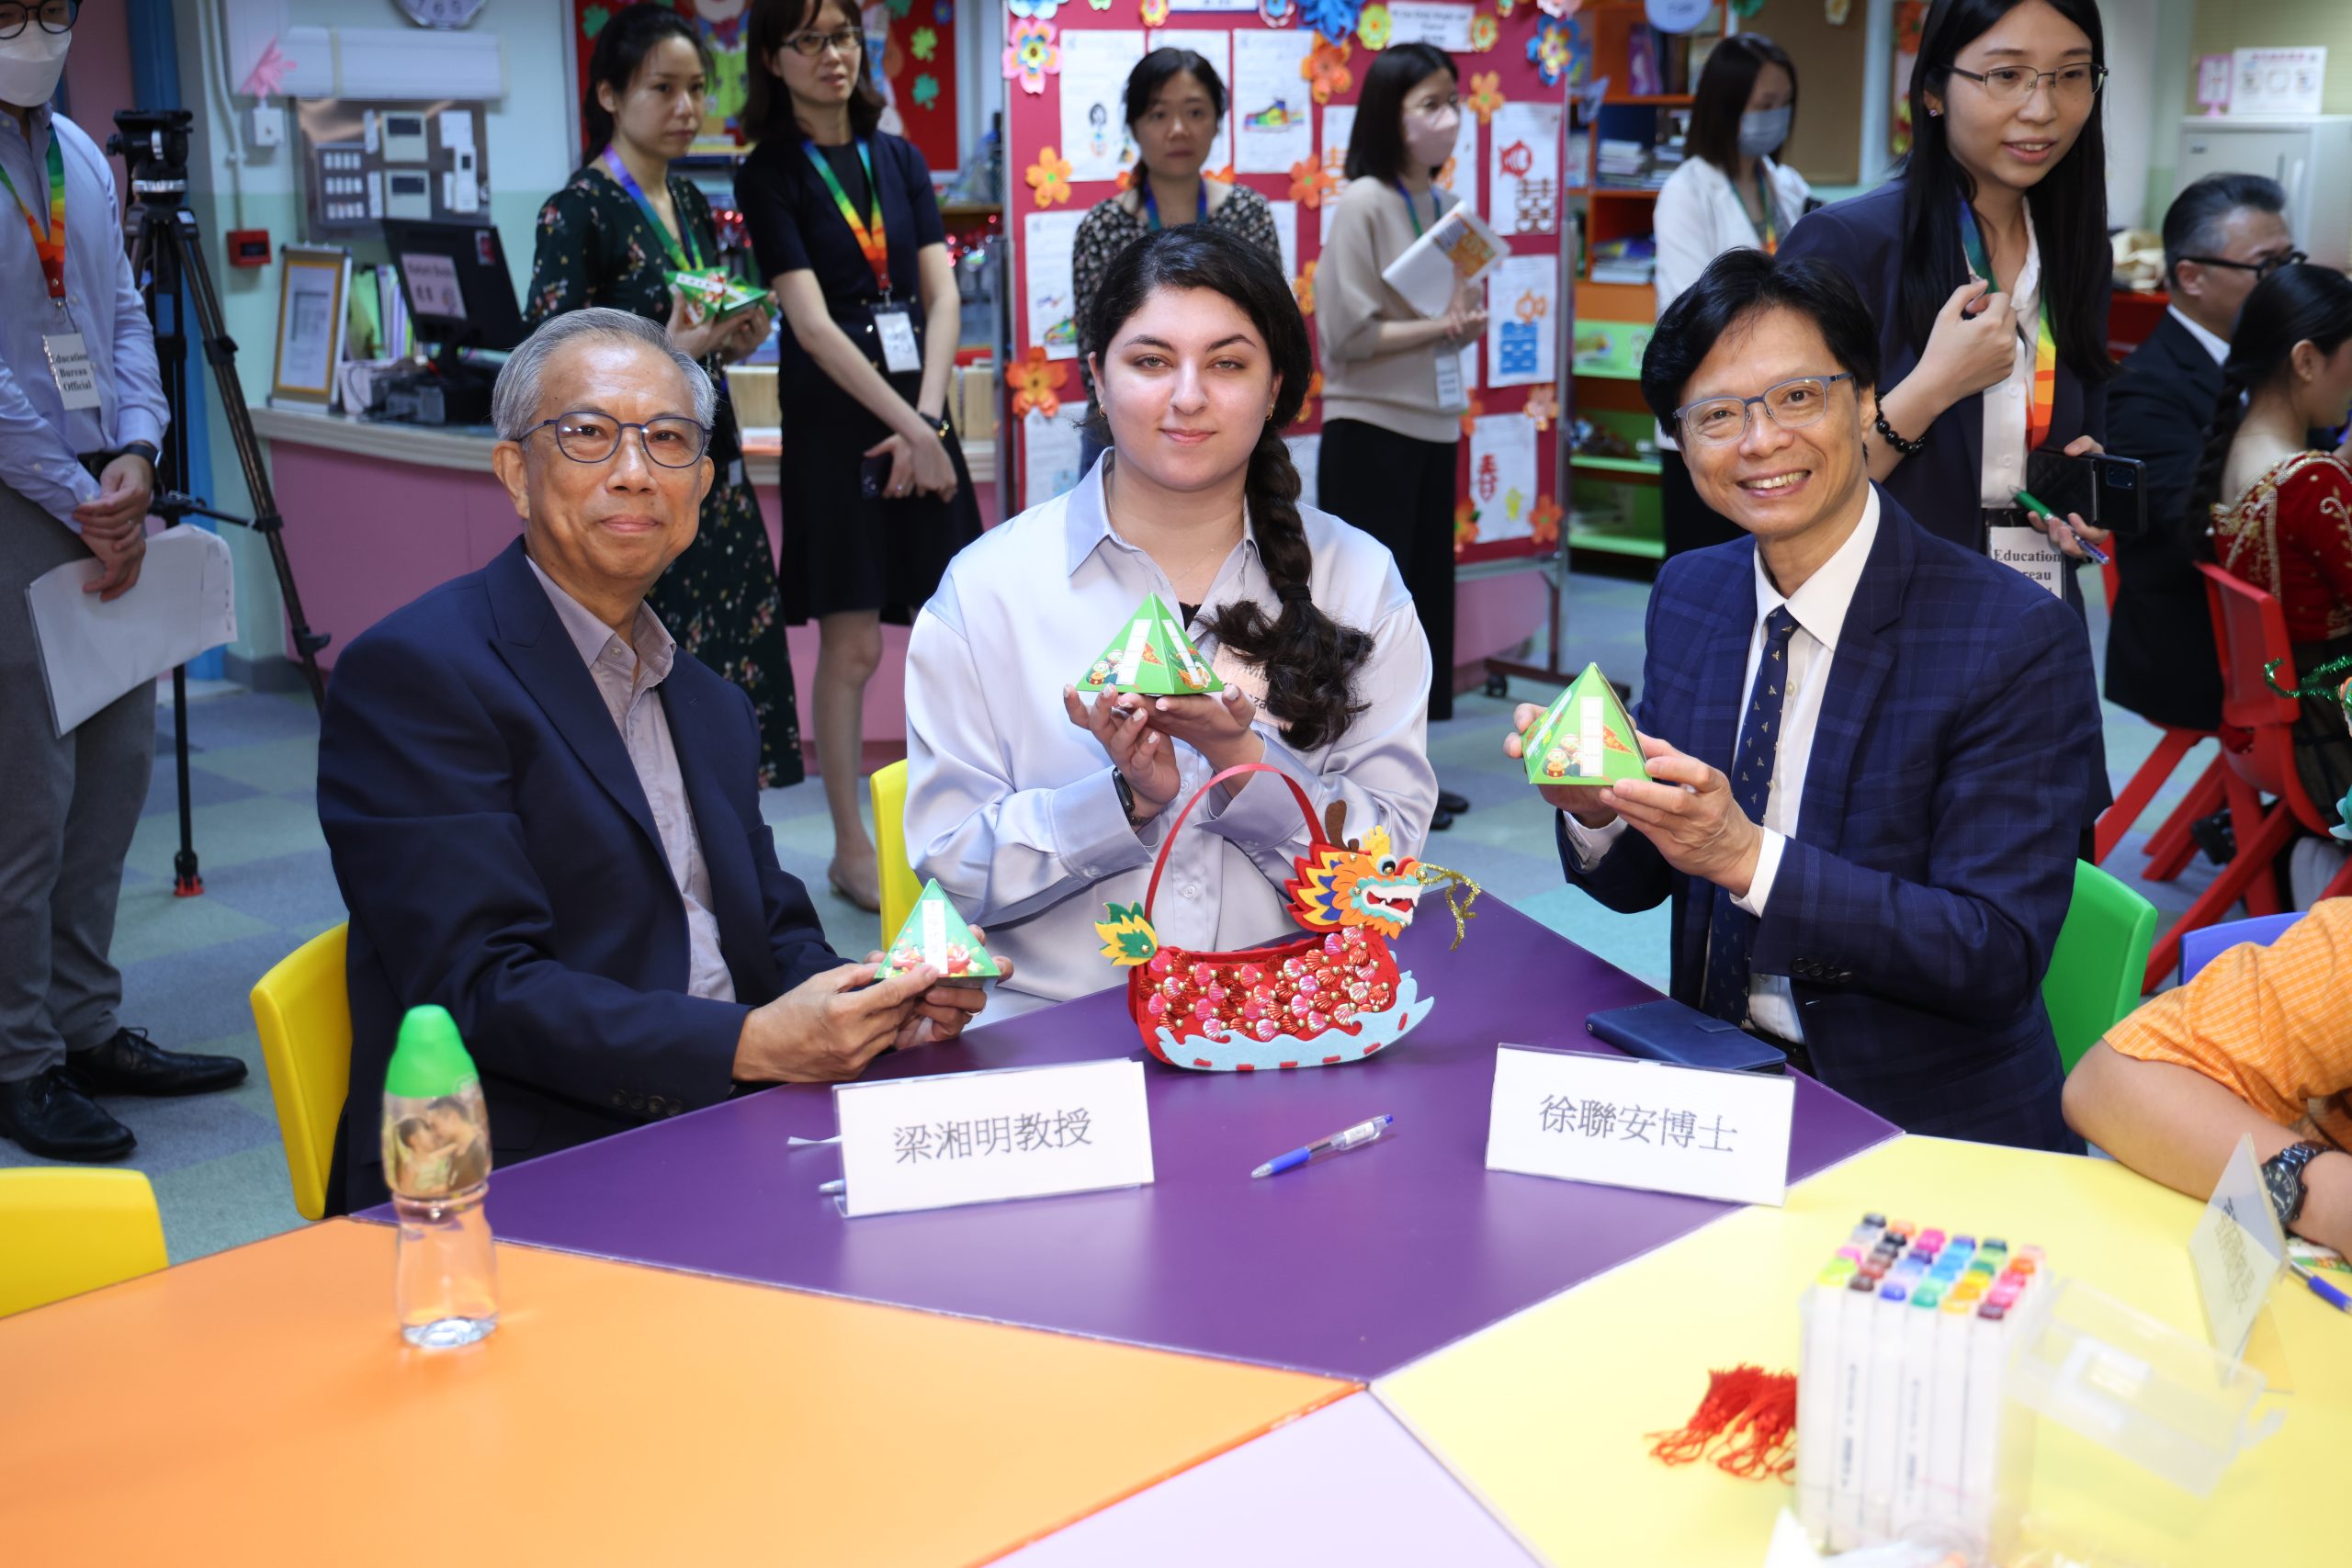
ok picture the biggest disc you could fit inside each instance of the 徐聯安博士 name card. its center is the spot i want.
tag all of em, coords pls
(1623, 1121)
(937, 1143)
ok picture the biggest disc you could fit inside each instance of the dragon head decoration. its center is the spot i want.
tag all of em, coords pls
(1346, 882)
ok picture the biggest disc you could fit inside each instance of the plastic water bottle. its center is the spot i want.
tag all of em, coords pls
(436, 1161)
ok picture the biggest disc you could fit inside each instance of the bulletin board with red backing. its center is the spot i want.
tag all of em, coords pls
(918, 61)
(1065, 65)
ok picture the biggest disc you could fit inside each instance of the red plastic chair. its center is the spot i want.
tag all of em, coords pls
(2250, 631)
(2169, 847)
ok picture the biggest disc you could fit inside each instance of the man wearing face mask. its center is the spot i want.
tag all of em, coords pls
(81, 411)
(1728, 195)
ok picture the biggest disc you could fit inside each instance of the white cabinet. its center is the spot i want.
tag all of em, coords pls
(2312, 158)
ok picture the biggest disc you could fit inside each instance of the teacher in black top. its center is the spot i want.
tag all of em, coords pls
(875, 496)
(1985, 265)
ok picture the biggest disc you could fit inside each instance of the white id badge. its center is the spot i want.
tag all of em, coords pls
(897, 330)
(2027, 552)
(1449, 399)
(69, 363)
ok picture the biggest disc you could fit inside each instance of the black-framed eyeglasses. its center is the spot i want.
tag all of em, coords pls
(843, 40)
(2015, 83)
(1793, 404)
(54, 16)
(2261, 268)
(587, 435)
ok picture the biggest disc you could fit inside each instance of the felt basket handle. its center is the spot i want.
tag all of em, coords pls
(1160, 863)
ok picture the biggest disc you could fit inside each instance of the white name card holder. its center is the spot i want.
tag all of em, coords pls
(939, 1143)
(2238, 1250)
(1622, 1122)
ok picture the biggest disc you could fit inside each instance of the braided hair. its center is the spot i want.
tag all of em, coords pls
(1310, 660)
(2302, 303)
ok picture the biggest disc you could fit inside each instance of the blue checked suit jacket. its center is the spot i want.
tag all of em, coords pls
(1917, 902)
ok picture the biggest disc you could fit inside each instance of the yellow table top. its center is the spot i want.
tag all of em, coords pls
(1542, 1415)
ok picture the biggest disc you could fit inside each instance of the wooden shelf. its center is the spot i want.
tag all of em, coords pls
(1633, 193)
(1655, 100)
(1644, 466)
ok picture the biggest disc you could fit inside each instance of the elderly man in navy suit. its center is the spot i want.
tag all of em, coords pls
(1865, 744)
(543, 816)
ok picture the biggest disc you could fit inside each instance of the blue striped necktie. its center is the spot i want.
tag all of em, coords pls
(1731, 931)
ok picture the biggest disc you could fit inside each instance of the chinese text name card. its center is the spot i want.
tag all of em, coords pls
(959, 1138)
(1624, 1123)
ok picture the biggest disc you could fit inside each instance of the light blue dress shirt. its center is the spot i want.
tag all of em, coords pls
(1013, 809)
(39, 437)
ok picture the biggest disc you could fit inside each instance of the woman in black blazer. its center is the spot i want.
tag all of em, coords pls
(2004, 182)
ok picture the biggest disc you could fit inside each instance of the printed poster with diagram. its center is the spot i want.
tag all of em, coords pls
(1585, 737)
(1151, 656)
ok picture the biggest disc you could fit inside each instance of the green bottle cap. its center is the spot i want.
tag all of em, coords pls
(429, 1060)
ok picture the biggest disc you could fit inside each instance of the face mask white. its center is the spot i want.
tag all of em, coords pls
(1763, 131)
(30, 64)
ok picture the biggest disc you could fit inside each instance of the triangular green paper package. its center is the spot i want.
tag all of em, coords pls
(936, 934)
(1586, 737)
(1153, 656)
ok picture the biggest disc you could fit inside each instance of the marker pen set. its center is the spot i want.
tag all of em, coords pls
(1902, 1417)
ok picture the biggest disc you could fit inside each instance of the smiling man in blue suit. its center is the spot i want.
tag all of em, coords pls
(1869, 749)
(544, 814)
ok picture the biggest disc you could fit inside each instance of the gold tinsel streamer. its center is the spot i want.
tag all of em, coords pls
(1431, 875)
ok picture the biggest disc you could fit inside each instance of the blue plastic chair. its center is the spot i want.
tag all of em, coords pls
(2198, 948)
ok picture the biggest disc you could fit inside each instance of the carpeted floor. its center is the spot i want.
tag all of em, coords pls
(188, 963)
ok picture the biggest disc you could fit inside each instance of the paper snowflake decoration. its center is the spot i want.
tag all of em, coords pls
(924, 44)
(1372, 26)
(1032, 54)
(1049, 176)
(926, 92)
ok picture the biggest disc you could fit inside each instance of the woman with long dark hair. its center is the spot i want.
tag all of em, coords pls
(1175, 103)
(2283, 512)
(877, 498)
(1986, 266)
(608, 238)
(1729, 194)
(1033, 807)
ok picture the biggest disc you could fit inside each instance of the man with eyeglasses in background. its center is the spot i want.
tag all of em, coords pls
(81, 413)
(2222, 235)
(544, 815)
(1849, 726)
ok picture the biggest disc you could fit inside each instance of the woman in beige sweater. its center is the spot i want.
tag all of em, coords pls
(1393, 394)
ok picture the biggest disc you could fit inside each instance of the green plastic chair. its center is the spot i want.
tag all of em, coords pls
(2100, 961)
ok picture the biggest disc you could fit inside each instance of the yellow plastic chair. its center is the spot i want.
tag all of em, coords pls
(2097, 968)
(65, 1231)
(899, 887)
(303, 1011)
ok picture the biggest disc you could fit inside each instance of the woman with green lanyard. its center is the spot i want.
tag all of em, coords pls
(876, 499)
(1728, 195)
(607, 239)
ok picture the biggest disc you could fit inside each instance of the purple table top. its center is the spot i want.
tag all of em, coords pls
(1350, 1268)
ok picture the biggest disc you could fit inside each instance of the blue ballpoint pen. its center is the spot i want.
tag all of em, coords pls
(2319, 1287)
(1361, 1133)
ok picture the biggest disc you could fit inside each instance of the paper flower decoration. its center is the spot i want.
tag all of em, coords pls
(1332, 18)
(1308, 182)
(1542, 407)
(1471, 415)
(1031, 54)
(1049, 176)
(1484, 32)
(1303, 288)
(1545, 522)
(1035, 381)
(925, 43)
(944, 13)
(1505, 7)
(926, 92)
(1040, 10)
(1372, 26)
(1154, 13)
(1465, 524)
(1326, 69)
(269, 72)
(1550, 52)
(1125, 180)
(1306, 404)
(1486, 93)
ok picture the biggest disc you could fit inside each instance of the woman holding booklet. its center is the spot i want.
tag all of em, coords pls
(1393, 390)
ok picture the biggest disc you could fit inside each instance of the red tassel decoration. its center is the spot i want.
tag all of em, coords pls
(1751, 1413)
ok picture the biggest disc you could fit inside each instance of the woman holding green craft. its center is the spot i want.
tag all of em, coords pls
(608, 238)
(1036, 805)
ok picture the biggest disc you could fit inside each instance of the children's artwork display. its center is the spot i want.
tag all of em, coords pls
(1292, 93)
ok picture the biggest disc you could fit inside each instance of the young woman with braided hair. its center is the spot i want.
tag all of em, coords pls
(2283, 512)
(1035, 806)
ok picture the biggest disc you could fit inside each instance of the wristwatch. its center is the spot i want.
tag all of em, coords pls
(2282, 1175)
(1126, 794)
(142, 448)
(939, 427)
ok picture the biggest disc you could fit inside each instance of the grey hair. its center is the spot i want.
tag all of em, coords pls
(2193, 223)
(515, 401)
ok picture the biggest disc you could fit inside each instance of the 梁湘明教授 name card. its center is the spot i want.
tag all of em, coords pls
(1622, 1122)
(937, 1143)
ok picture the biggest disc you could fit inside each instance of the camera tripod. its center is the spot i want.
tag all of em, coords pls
(166, 252)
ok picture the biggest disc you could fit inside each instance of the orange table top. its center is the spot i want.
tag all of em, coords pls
(257, 1406)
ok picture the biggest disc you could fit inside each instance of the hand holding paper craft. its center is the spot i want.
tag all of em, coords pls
(1584, 738)
(936, 934)
(1687, 809)
(1153, 657)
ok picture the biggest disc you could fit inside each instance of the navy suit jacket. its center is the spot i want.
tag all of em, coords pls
(499, 857)
(1917, 902)
(1862, 236)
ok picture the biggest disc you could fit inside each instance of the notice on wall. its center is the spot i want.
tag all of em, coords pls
(1049, 453)
(2277, 81)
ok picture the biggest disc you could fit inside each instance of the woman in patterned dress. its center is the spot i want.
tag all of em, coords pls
(599, 244)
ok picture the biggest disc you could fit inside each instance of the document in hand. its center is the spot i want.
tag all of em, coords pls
(1458, 248)
(92, 653)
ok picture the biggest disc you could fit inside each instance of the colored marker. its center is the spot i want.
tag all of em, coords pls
(2026, 499)
(1360, 1134)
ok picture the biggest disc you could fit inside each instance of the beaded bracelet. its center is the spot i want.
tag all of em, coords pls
(1908, 448)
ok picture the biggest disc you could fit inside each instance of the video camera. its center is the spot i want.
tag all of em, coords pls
(153, 144)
